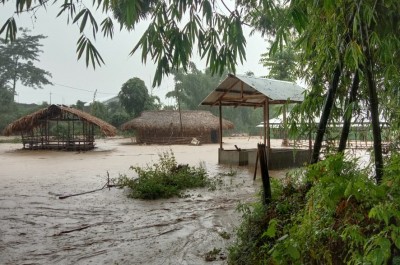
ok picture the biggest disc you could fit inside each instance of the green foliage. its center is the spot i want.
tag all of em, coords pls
(13, 111)
(344, 218)
(193, 85)
(212, 254)
(175, 28)
(6, 99)
(135, 98)
(17, 60)
(99, 110)
(164, 179)
(118, 118)
(282, 64)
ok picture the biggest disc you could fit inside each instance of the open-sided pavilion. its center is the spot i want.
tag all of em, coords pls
(250, 91)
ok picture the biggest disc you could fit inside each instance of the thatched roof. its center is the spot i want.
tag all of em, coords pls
(167, 119)
(31, 121)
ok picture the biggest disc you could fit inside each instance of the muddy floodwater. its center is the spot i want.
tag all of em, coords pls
(106, 227)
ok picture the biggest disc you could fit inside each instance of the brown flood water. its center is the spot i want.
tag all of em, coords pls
(36, 227)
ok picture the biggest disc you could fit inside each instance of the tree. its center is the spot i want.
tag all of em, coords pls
(80, 105)
(17, 60)
(6, 99)
(362, 39)
(193, 86)
(135, 98)
(282, 64)
(99, 110)
(169, 39)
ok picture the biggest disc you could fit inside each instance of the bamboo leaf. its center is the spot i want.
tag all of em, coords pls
(81, 46)
(107, 27)
(83, 22)
(77, 17)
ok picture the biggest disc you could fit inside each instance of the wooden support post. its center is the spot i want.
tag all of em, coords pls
(220, 125)
(267, 136)
(261, 149)
(285, 127)
(268, 129)
(265, 123)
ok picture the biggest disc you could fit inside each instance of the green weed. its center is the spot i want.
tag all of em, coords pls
(164, 179)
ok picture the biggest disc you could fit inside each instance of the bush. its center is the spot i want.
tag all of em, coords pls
(164, 179)
(344, 218)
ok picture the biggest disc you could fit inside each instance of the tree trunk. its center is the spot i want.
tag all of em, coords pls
(15, 77)
(330, 99)
(347, 120)
(14, 86)
(374, 104)
(376, 130)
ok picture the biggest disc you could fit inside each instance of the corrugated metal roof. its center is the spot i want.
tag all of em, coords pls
(240, 90)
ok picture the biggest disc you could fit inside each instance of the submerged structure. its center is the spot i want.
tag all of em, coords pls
(59, 127)
(174, 127)
(250, 91)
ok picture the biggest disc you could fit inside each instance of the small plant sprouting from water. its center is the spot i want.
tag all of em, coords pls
(225, 235)
(212, 254)
(164, 179)
(231, 173)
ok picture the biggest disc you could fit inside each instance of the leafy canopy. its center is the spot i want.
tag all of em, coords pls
(175, 29)
(17, 63)
(135, 98)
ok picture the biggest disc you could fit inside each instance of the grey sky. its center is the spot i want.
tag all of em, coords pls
(73, 81)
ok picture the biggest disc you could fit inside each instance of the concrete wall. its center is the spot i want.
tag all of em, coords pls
(279, 158)
(283, 158)
(233, 157)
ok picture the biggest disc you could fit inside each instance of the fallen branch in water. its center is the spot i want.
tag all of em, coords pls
(107, 185)
(72, 230)
(84, 227)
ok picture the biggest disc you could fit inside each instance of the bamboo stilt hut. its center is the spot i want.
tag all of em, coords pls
(59, 127)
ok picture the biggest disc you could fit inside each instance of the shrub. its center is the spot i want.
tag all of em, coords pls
(164, 179)
(344, 218)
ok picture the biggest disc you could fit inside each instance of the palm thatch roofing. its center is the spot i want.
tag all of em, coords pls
(29, 122)
(196, 120)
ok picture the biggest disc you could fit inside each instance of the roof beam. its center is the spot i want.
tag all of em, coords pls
(255, 92)
(229, 88)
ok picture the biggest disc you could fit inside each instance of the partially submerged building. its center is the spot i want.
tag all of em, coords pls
(174, 127)
(59, 127)
(250, 91)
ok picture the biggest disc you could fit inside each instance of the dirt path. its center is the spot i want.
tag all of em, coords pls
(106, 227)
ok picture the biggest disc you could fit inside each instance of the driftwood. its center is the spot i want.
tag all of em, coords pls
(107, 185)
(72, 230)
(84, 227)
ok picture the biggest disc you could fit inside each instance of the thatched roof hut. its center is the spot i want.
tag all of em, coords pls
(164, 127)
(59, 127)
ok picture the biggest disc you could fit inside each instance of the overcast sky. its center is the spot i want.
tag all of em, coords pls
(73, 81)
